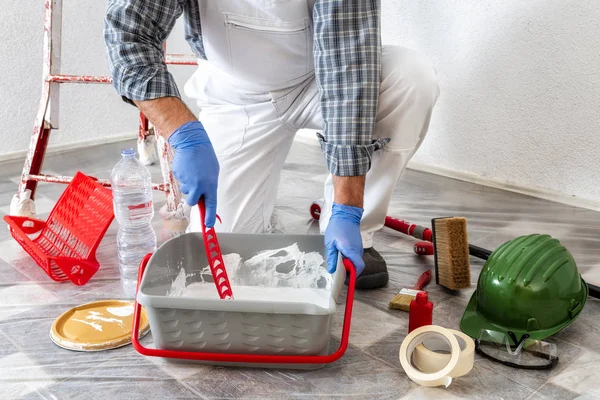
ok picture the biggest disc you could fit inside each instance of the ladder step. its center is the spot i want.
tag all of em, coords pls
(161, 187)
(78, 79)
(173, 59)
(181, 59)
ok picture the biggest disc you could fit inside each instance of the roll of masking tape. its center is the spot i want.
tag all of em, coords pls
(435, 378)
(433, 354)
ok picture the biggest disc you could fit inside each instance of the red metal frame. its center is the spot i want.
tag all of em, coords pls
(248, 358)
(47, 117)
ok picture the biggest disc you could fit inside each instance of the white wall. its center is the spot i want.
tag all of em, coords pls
(520, 81)
(88, 112)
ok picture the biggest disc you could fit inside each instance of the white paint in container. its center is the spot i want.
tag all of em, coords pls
(285, 275)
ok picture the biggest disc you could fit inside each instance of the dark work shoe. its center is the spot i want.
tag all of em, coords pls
(375, 274)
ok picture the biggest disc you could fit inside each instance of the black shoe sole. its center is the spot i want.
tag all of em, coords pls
(373, 281)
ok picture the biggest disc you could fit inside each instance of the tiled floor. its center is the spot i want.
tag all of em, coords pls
(32, 367)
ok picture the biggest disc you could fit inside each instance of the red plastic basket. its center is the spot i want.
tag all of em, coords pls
(67, 241)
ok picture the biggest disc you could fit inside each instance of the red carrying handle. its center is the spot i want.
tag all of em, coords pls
(215, 257)
(247, 358)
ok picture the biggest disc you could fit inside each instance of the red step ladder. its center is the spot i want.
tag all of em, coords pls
(48, 115)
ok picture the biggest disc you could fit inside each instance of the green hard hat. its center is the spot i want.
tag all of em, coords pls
(529, 285)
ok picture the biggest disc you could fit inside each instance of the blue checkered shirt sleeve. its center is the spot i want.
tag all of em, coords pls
(347, 48)
(134, 33)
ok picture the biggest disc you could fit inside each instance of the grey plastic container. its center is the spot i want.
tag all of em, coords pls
(234, 326)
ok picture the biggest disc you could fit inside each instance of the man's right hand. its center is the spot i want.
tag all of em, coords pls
(196, 167)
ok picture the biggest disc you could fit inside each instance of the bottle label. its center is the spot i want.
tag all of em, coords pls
(139, 210)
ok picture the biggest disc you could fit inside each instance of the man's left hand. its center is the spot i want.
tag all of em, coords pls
(343, 235)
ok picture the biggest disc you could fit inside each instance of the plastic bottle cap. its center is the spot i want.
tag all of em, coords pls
(421, 298)
(128, 152)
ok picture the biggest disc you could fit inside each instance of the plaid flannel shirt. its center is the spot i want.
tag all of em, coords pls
(347, 50)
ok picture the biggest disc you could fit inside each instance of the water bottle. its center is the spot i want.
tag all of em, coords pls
(133, 207)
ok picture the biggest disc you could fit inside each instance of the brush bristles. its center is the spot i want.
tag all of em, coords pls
(452, 253)
(401, 302)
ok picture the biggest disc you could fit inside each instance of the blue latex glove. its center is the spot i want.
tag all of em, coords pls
(196, 167)
(343, 235)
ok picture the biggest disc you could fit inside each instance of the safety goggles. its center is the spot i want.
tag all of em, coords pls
(515, 352)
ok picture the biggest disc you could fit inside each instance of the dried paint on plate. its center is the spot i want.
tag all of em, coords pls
(101, 325)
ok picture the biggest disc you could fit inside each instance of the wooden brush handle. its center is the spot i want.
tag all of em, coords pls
(424, 279)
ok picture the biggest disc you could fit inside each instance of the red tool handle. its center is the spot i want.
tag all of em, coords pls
(423, 248)
(214, 256)
(248, 358)
(423, 280)
(416, 231)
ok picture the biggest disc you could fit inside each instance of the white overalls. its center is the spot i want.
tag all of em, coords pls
(257, 89)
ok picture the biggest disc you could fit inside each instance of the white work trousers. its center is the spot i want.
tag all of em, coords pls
(252, 133)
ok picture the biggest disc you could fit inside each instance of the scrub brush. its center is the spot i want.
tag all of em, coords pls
(402, 300)
(450, 241)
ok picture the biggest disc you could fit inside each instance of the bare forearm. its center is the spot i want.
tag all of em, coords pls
(166, 114)
(349, 190)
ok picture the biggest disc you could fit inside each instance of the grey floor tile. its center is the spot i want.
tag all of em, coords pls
(20, 376)
(553, 392)
(180, 369)
(30, 332)
(449, 313)
(581, 375)
(483, 383)
(355, 375)
(368, 326)
(7, 190)
(32, 396)
(388, 348)
(592, 395)
(584, 330)
(429, 393)
(10, 275)
(105, 289)
(7, 347)
(118, 379)
(60, 291)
